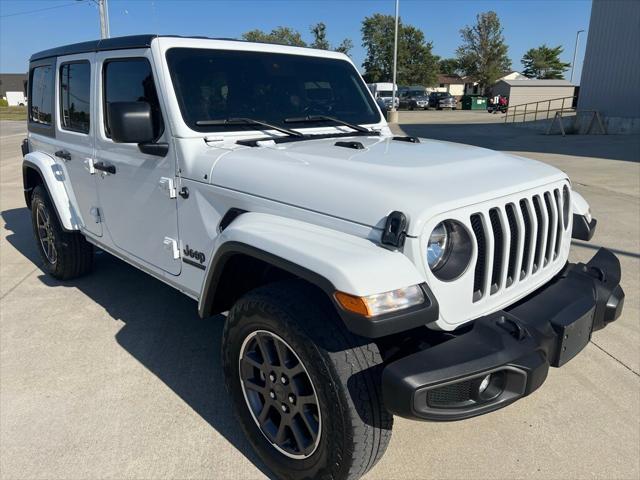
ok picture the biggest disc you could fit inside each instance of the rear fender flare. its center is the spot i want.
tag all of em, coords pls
(52, 176)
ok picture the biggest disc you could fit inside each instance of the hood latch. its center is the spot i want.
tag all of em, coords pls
(395, 230)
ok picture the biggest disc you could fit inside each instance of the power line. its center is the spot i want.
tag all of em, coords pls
(40, 9)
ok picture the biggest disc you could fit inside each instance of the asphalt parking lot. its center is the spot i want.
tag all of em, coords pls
(115, 376)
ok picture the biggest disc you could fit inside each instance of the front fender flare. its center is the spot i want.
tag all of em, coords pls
(52, 176)
(332, 260)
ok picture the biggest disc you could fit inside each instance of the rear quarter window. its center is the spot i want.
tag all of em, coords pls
(41, 96)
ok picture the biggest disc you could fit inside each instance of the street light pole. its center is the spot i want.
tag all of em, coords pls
(575, 50)
(393, 116)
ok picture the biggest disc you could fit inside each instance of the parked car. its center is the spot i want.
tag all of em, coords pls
(365, 274)
(440, 100)
(383, 93)
(413, 99)
(386, 97)
(384, 105)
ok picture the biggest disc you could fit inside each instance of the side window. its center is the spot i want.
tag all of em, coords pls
(130, 80)
(75, 93)
(41, 96)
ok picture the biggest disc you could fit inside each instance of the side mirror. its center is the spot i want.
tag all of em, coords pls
(130, 122)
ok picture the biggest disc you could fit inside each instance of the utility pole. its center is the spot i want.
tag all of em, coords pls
(103, 9)
(575, 50)
(104, 18)
(393, 113)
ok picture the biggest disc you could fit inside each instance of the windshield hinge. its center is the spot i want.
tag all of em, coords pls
(95, 213)
(168, 185)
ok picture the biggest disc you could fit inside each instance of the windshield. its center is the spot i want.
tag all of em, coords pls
(385, 93)
(224, 84)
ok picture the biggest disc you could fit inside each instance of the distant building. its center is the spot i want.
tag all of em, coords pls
(13, 87)
(454, 84)
(611, 68)
(520, 92)
(472, 87)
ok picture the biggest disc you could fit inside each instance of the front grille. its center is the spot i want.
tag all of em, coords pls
(515, 241)
(526, 253)
(478, 232)
(498, 242)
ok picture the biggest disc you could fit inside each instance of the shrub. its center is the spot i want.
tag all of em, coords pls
(3, 102)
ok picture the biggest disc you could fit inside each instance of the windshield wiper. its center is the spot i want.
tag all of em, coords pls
(326, 118)
(248, 121)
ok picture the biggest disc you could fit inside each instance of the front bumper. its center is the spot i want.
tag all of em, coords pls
(583, 227)
(506, 355)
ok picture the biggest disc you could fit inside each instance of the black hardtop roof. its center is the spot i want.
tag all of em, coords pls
(114, 43)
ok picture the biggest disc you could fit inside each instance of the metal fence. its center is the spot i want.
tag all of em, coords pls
(539, 110)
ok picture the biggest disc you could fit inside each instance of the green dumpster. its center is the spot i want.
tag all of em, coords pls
(474, 102)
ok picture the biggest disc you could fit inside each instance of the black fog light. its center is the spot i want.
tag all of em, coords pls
(484, 384)
(490, 386)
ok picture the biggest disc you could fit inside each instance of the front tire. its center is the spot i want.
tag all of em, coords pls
(65, 255)
(284, 344)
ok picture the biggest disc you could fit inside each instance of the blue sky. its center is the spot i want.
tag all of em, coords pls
(527, 23)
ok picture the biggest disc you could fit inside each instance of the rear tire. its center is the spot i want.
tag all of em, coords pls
(353, 427)
(65, 255)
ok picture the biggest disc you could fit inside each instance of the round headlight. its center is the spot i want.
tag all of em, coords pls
(449, 250)
(437, 246)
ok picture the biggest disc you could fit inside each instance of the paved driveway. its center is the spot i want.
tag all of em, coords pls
(114, 375)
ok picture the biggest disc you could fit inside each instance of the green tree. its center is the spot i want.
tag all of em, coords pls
(416, 62)
(345, 46)
(280, 35)
(483, 53)
(448, 66)
(319, 32)
(544, 62)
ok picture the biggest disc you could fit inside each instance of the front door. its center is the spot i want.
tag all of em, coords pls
(138, 207)
(75, 132)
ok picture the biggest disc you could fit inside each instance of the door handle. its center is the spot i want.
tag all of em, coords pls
(105, 167)
(63, 154)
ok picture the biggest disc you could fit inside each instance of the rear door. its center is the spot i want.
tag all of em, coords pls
(75, 134)
(137, 202)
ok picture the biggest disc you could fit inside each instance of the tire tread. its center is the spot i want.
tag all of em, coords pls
(350, 356)
(75, 254)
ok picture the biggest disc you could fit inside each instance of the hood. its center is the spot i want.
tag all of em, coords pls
(364, 186)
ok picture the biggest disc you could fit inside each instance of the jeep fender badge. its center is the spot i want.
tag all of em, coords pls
(196, 255)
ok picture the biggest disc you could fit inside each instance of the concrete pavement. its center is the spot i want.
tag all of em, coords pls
(114, 375)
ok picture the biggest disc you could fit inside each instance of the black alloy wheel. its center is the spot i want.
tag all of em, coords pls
(280, 394)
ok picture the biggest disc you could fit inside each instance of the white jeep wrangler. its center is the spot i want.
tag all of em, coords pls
(365, 275)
